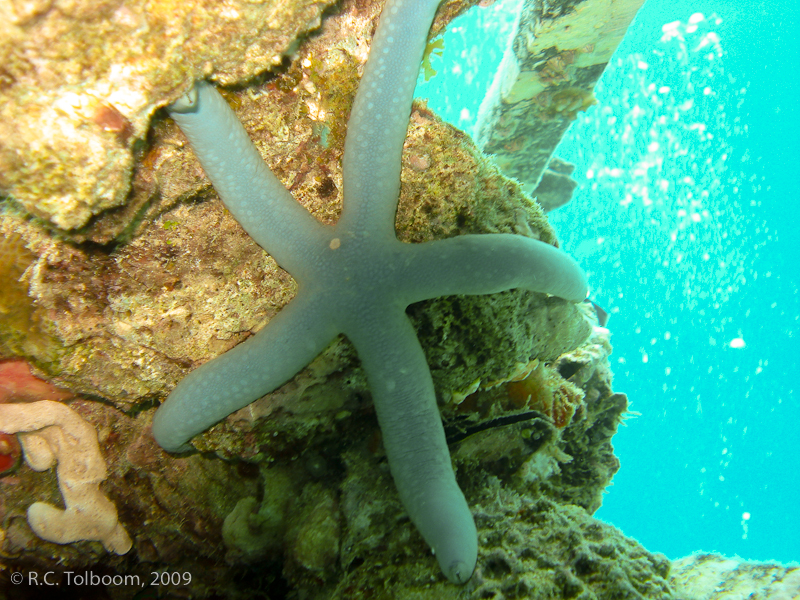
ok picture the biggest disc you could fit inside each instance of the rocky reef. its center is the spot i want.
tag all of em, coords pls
(715, 577)
(121, 272)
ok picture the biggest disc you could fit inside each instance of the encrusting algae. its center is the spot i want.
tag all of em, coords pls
(23, 329)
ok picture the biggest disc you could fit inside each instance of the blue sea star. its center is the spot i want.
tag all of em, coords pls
(356, 278)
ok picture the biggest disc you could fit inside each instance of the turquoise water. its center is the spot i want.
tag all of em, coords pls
(686, 221)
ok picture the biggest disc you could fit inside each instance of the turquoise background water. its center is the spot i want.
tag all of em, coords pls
(686, 221)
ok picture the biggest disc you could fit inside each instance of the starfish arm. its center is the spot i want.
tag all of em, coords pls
(379, 117)
(486, 264)
(405, 403)
(244, 182)
(292, 339)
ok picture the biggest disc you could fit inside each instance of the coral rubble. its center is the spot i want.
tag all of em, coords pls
(715, 577)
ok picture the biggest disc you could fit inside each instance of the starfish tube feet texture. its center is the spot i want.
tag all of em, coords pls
(355, 278)
(412, 433)
(293, 338)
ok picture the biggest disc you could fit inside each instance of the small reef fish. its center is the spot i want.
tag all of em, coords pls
(602, 315)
